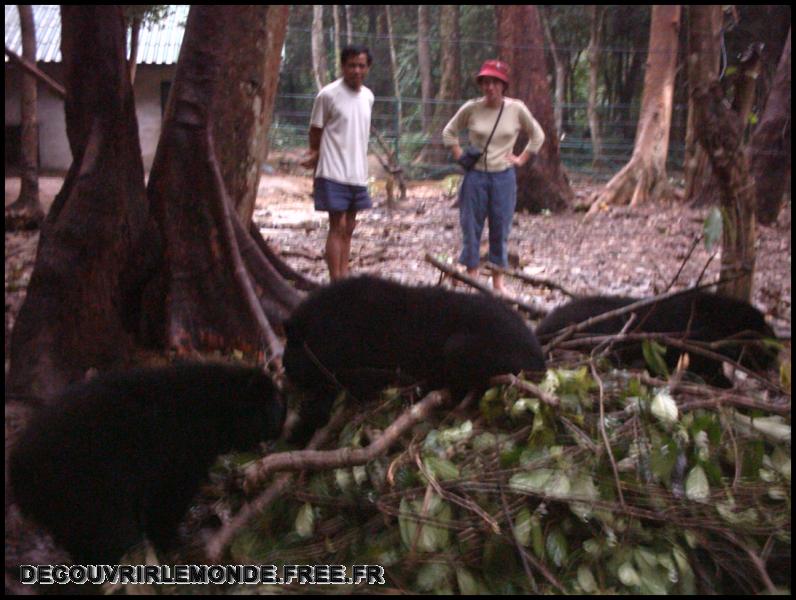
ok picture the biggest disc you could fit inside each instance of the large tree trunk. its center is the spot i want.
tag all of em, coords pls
(593, 53)
(26, 212)
(769, 149)
(243, 106)
(216, 289)
(319, 69)
(721, 135)
(644, 177)
(424, 64)
(701, 188)
(449, 85)
(542, 183)
(697, 171)
(76, 315)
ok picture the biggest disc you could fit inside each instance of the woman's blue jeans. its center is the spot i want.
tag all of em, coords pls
(484, 196)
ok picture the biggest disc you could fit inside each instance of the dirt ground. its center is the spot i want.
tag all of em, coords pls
(621, 251)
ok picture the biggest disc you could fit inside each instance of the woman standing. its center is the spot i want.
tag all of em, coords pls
(489, 189)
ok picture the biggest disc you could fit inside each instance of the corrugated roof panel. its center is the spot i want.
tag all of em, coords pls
(158, 45)
(47, 19)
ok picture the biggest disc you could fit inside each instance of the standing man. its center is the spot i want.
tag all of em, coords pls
(339, 133)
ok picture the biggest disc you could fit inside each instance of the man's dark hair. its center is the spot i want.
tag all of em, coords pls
(350, 51)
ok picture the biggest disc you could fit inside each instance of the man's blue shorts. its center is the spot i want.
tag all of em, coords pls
(331, 196)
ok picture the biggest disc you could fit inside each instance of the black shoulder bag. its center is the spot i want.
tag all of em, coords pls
(471, 154)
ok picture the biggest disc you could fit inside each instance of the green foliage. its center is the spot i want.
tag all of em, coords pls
(470, 504)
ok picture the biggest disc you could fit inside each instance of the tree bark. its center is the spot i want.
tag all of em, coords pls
(721, 135)
(394, 69)
(349, 27)
(27, 212)
(215, 289)
(77, 313)
(698, 174)
(336, 19)
(243, 107)
(319, 69)
(562, 74)
(593, 52)
(769, 149)
(424, 64)
(135, 34)
(542, 182)
(644, 178)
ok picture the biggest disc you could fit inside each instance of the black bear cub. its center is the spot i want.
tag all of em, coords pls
(120, 457)
(697, 316)
(363, 333)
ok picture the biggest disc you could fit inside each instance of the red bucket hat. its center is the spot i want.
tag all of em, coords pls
(494, 68)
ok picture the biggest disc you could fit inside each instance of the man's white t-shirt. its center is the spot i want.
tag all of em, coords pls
(344, 115)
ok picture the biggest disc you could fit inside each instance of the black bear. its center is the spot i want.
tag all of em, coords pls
(363, 333)
(120, 457)
(697, 316)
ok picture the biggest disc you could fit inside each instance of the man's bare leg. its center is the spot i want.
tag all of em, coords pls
(349, 224)
(338, 243)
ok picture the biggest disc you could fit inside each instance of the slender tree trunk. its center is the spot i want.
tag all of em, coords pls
(77, 313)
(319, 69)
(721, 135)
(135, 33)
(424, 64)
(562, 74)
(26, 212)
(394, 67)
(542, 183)
(593, 52)
(349, 27)
(449, 86)
(336, 19)
(769, 149)
(644, 178)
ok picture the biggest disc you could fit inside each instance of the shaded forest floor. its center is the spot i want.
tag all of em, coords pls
(622, 251)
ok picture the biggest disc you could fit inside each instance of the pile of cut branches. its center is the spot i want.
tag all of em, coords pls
(594, 481)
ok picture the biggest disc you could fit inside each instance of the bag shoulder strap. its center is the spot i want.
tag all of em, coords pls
(502, 104)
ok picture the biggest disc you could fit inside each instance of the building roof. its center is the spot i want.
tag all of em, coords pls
(158, 44)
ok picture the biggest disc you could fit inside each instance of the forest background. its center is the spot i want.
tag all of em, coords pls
(83, 314)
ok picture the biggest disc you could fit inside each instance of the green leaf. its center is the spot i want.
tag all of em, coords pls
(586, 492)
(431, 537)
(654, 357)
(586, 580)
(628, 575)
(556, 547)
(469, 585)
(697, 487)
(305, 521)
(531, 482)
(522, 527)
(441, 469)
(434, 577)
(664, 408)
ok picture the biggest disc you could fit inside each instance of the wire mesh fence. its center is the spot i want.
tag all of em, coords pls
(407, 138)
